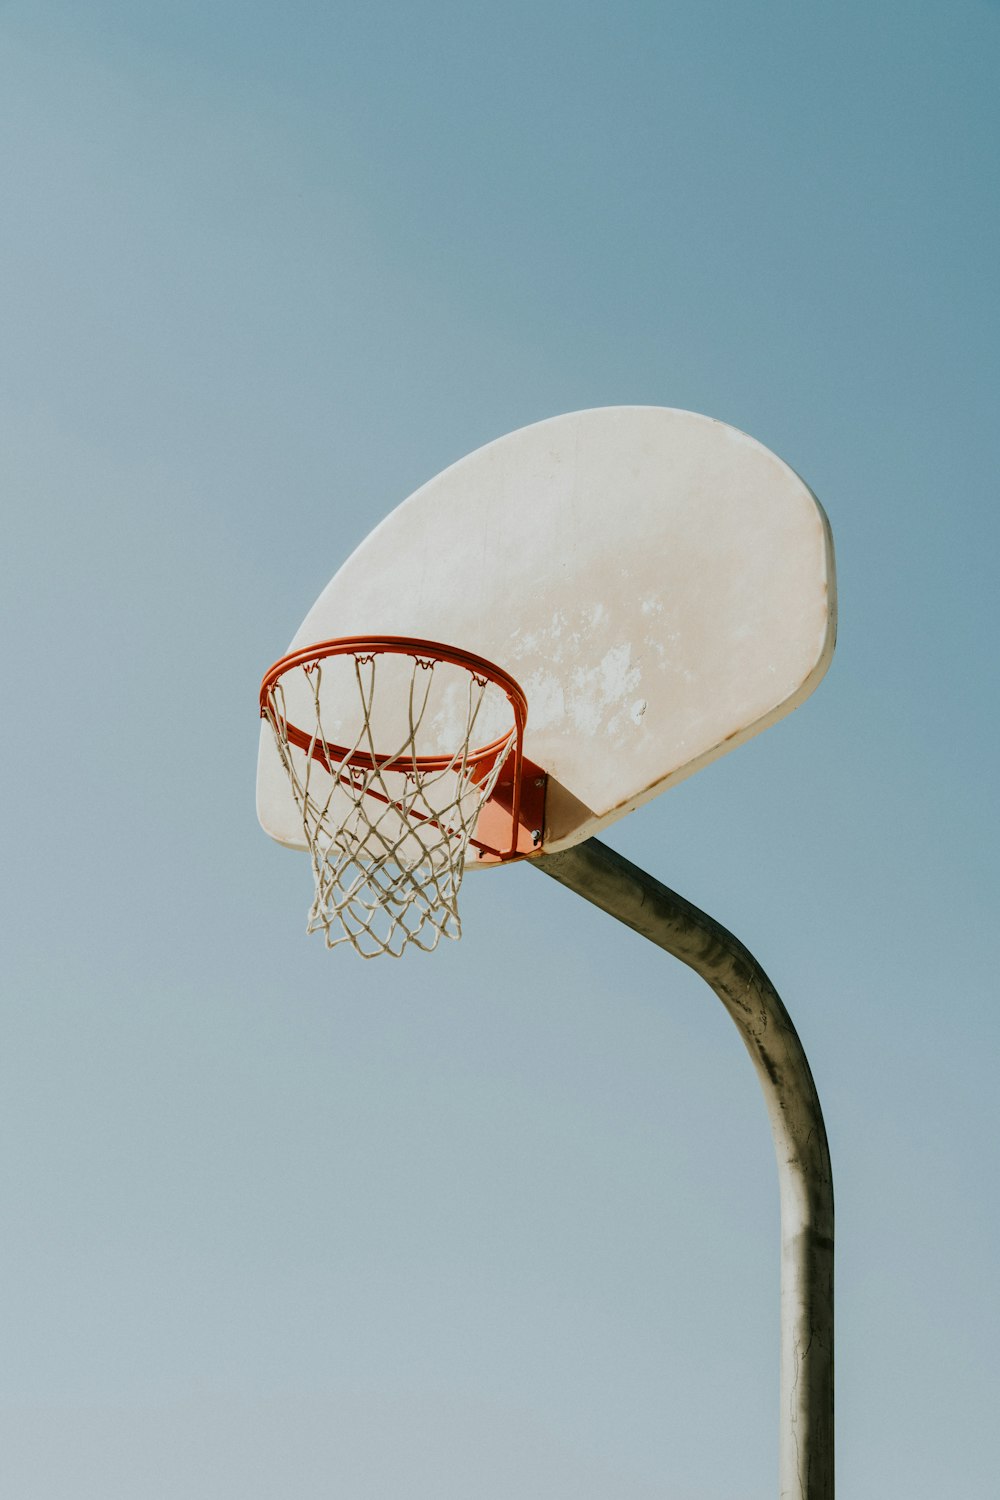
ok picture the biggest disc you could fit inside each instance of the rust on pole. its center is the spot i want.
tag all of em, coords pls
(806, 1457)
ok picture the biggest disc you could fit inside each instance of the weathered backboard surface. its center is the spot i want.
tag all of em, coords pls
(660, 585)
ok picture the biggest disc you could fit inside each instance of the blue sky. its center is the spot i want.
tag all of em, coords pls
(501, 1222)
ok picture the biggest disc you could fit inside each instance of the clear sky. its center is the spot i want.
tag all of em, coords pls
(500, 1223)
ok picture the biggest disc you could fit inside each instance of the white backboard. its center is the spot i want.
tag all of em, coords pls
(660, 585)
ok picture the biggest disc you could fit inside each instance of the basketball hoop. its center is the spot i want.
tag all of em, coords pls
(389, 829)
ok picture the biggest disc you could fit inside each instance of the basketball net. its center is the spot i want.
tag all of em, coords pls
(388, 833)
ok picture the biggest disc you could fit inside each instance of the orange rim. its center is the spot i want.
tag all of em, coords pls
(480, 758)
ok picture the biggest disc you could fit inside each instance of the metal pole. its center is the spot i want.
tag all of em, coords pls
(642, 903)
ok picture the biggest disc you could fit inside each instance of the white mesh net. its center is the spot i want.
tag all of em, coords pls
(388, 836)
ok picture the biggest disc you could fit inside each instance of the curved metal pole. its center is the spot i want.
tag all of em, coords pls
(642, 903)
